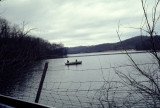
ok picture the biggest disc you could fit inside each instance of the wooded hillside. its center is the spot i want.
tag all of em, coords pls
(136, 43)
(17, 47)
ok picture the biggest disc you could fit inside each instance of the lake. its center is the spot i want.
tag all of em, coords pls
(89, 84)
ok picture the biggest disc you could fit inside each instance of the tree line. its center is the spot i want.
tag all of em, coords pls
(17, 47)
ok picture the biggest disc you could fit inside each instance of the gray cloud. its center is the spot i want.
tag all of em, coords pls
(75, 22)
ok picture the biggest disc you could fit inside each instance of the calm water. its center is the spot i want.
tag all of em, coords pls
(69, 85)
(93, 68)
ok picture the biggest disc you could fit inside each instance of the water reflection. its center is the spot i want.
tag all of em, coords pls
(14, 83)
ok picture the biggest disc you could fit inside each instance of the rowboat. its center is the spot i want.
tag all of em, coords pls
(74, 63)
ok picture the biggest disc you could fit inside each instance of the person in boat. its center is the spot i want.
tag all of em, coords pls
(67, 61)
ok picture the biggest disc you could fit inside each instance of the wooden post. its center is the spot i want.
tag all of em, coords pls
(41, 83)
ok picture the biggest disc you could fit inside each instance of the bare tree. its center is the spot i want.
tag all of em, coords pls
(147, 88)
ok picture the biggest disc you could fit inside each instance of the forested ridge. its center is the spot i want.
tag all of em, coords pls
(134, 43)
(18, 48)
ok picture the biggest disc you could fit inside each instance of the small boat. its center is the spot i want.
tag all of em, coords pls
(74, 63)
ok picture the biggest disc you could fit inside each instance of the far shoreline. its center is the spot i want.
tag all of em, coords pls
(111, 52)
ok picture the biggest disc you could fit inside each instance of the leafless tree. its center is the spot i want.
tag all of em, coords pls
(145, 79)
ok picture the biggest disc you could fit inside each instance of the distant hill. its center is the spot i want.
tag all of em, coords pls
(136, 43)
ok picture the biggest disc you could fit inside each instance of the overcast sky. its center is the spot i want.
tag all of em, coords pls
(75, 22)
